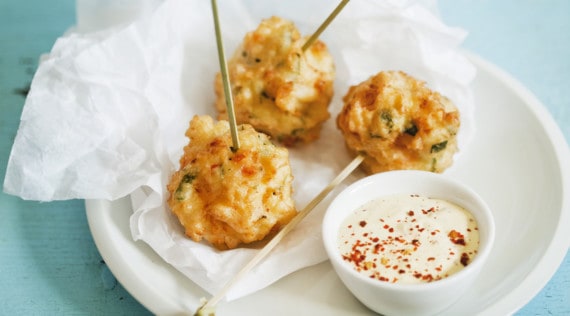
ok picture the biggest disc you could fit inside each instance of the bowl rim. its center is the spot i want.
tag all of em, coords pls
(483, 216)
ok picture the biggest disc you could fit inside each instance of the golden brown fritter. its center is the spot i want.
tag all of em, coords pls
(226, 197)
(399, 123)
(277, 88)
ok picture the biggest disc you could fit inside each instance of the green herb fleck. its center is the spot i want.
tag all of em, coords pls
(297, 131)
(412, 130)
(186, 180)
(266, 95)
(438, 147)
(387, 119)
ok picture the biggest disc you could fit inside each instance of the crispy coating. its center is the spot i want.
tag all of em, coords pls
(399, 123)
(276, 87)
(229, 198)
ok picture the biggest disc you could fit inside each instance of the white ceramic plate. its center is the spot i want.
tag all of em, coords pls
(518, 162)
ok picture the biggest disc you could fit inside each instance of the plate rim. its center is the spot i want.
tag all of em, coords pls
(551, 260)
(524, 292)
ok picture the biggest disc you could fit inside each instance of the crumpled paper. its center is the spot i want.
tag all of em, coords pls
(107, 111)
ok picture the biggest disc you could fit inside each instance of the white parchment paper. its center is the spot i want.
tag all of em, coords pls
(107, 111)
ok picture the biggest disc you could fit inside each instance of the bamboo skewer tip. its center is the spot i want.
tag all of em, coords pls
(324, 25)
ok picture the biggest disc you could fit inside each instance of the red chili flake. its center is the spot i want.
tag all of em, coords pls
(427, 277)
(464, 259)
(355, 257)
(248, 171)
(362, 223)
(238, 157)
(456, 237)
(428, 211)
(369, 265)
(376, 248)
(215, 142)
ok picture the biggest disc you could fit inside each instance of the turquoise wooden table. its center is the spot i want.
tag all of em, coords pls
(48, 261)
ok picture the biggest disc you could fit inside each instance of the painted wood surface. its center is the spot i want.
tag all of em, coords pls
(48, 262)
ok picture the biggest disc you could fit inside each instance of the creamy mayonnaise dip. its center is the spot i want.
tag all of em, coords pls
(409, 239)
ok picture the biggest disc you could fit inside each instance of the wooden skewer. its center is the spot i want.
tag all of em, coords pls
(209, 305)
(225, 79)
(324, 25)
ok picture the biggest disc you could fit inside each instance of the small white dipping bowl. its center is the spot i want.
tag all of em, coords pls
(407, 299)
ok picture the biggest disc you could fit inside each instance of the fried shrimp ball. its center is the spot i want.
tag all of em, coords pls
(397, 122)
(229, 198)
(277, 87)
